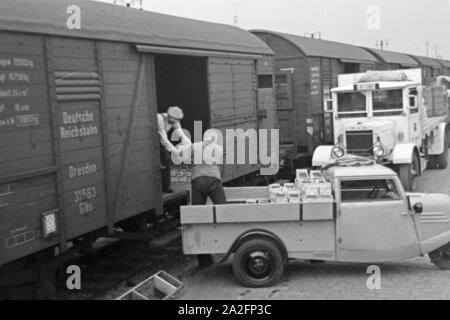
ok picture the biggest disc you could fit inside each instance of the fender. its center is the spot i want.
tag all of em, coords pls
(260, 234)
(438, 147)
(403, 153)
(322, 155)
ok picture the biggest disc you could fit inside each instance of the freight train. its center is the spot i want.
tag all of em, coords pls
(79, 148)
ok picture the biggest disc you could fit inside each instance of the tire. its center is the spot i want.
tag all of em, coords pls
(431, 163)
(408, 174)
(441, 257)
(448, 133)
(258, 263)
(442, 159)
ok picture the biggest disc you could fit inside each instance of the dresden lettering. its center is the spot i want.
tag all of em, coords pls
(82, 170)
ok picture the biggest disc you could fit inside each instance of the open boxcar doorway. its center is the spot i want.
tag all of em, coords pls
(183, 81)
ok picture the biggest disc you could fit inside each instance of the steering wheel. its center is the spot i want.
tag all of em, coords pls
(373, 194)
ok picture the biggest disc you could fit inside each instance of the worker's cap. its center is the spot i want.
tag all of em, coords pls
(175, 113)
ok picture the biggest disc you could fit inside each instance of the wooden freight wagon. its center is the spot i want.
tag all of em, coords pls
(390, 60)
(306, 70)
(79, 148)
(445, 67)
(431, 68)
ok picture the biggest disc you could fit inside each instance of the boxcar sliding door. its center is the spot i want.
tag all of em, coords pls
(233, 102)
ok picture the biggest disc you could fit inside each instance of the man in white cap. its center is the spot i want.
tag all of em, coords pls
(167, 122)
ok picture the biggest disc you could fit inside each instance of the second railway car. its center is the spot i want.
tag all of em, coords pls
(306, 71)
(445, 67)
(79, 148)
(431, 68)
(390, 60)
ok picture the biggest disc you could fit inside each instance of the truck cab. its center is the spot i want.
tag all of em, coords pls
(370, 219)
(391, 117)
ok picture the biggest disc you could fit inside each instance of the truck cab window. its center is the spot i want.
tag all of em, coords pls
(352, 103)
(369, 190)
(387, 100)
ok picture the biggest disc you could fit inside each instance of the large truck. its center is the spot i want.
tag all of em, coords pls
(392, 117)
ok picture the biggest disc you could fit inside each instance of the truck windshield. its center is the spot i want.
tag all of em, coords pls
(369, 190)
(352, 104)
(387, 102)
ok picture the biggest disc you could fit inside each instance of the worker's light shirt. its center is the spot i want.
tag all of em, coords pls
(164, 126)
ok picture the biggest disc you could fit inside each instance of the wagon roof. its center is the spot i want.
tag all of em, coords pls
(324, 48)
(427, 62)
(445, 63)
(104, 21)
(394, 57)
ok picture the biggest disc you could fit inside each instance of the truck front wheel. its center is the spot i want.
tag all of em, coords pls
(408, 174)
(441, 257)
(258, 263)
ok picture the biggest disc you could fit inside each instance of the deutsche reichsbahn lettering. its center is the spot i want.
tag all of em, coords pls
(78, 117)
(78, 132)
(81, 130)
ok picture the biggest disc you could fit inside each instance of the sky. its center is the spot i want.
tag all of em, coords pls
(407, 24)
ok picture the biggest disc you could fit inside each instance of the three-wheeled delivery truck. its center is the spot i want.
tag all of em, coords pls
(391, 117)
(368, 218)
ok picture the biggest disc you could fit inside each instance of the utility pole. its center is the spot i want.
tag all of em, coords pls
(427, 44)
(382, 43)
(313, 35)
(236, 21)
(129, 3)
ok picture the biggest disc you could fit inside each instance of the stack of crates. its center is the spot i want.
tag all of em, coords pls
(313, 186)
(284, 194)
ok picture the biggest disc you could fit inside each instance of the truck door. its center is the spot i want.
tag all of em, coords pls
(374, 223)
(415, 116)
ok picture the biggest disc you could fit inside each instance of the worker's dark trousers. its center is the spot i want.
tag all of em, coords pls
(165, 173)
(204, 187)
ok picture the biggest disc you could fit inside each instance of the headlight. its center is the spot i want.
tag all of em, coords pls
(49, 224)
(338, 152)
(378, 151)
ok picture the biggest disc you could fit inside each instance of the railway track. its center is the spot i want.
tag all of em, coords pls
(114, 268)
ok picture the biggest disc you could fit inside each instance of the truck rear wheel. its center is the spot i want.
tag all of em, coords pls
(408, 174)
(258, 263)
(442, 159)
(441, 257)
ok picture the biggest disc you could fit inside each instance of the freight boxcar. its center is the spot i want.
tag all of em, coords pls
(79, 149)
(445, 67)
(390, 60)
(306, 70)
(431, 68)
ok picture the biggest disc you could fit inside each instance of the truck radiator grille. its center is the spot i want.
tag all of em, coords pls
(360, 143)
